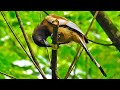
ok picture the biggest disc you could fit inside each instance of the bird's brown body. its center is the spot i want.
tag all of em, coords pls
(67, 32)
(45, 29)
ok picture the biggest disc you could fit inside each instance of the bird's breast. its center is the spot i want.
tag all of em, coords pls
(64, 35)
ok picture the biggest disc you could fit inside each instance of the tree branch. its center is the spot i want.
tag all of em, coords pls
(109, 28)
(3, 15)
(45, 12)
(100, 43)
(79, 51)
(54, 51)
(47, 48)
(7, 75)
(29, 47)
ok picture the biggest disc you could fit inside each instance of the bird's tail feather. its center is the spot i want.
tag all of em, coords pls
(92, 58)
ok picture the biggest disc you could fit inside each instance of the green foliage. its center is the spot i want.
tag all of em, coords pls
(10, 50)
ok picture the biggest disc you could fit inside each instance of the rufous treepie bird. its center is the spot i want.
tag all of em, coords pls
(67, 32)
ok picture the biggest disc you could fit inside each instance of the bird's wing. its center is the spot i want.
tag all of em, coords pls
(74, 27)
(71, 25)
(92, 58)
(64, 22)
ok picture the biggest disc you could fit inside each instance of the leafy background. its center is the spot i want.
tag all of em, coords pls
(15, 62)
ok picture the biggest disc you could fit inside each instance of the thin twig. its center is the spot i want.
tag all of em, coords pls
(95, 15)
(46, 47)
(45, 12)
(28, 44)
(100, 43)
(110, 29)
(40, 15)
(18, 40)
(7, 75)
(54, 51)
(78, 51)
(48, 54)
(86, 67)
(3, 15)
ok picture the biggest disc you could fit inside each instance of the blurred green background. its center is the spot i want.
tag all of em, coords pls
(15, 62)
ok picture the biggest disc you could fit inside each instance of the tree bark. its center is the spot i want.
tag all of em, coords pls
(109, 28)
(54, 51)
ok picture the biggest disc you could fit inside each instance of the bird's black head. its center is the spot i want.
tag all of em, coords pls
(39, 36)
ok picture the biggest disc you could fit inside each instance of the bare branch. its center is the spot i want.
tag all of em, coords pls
(109, 28)
(100, 43)
(30, 49)
(45, 12)
(7, 75)
(78, 51)
(96, 13)
(54, 51)
(3, 15)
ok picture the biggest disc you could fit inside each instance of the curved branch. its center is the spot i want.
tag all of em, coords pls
(3, 15)
(100, 43)
(109, 28)
(29, 47)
